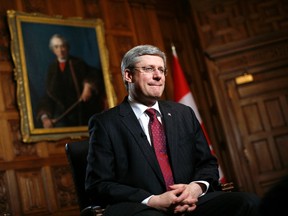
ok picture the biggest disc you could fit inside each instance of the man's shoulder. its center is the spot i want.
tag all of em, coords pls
(176, 108)
(107, 113)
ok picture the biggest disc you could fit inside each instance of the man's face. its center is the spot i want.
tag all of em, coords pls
(146, 87)
(59, 49)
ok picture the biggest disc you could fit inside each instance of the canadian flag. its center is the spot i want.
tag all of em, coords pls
(182, 94)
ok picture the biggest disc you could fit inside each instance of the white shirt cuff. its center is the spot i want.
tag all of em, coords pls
(145, 201)
(206, 184)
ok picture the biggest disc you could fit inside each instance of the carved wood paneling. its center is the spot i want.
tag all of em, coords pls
(120, 33)
(24, 151)
(32, 191)
(257, 108)
(66, 193)
(5, 56)
(267, 16)
(120, 21)
(281, 142)
(4, 40)
(4, 197)
(8, 91)
(120, 44)
(92, 9)
(259, 134)
(234, 20)
(276, 115)
(35, 5)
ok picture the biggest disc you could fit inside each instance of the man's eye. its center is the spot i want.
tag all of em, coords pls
(149, 69)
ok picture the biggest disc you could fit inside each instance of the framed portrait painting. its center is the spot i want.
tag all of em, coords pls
(62, 74)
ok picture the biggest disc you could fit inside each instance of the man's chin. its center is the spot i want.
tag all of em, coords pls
(155, 97)
(148, 100)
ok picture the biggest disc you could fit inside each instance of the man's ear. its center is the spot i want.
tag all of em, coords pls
(128, 75)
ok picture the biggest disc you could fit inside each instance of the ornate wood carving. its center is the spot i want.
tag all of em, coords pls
(92, 9)
(66, 193)
(4, 198)
(234, 20)
(35, 5)
(32, 191)
(8, 89)
(4, 41)
(251, 52)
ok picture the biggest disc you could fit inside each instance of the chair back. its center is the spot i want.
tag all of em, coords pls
(76, 153)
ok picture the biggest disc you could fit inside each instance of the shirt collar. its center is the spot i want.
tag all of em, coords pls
(139, 108)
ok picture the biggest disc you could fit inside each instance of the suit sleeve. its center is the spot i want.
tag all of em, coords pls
(206, 165)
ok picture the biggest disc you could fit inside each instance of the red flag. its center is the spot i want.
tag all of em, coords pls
(183, 94)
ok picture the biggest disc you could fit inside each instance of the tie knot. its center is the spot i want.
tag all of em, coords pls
(151, 113)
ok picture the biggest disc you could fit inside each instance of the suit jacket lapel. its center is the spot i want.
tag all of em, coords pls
(131, 122)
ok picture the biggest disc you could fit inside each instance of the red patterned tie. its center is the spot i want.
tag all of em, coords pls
(159, 143)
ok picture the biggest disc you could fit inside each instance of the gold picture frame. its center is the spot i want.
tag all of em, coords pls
(30, 36)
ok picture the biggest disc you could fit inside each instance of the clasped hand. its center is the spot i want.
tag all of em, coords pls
(181, 198)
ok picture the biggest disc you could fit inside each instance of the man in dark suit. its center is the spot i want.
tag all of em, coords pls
(124, 171)
(73, 92)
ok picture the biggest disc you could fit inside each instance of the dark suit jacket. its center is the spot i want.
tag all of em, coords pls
(122, 166)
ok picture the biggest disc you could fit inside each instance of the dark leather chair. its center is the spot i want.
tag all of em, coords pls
(76, 153)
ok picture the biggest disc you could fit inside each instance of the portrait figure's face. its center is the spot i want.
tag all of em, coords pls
(59, 48)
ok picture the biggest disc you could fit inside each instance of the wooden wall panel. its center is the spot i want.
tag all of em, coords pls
(120, 44)
(277, 119)
(34, 5)
(4, 42)
(222, 22)
(248, 37)
(66, 194)
(32, 191)
(8, 92)
(120, 37)
(282, 148)
(118, 22)
(91, 8)
(4, 195)
(257, 109)
(261, 148)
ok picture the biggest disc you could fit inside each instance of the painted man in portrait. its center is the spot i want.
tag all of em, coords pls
(73, 89)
